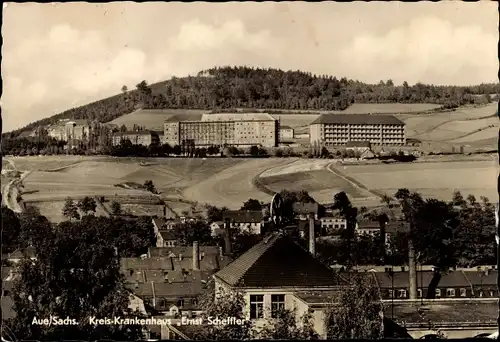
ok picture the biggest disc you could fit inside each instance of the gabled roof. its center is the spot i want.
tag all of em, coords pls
(244, 216)
(478, 278)
(397, 226)
(277, 261)
(368, 225)
(167, 235)
(285, 127)
(357, 119)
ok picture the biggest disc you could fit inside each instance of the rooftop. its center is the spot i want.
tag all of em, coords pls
(131, 133)
(244, 216)
(277, 261)
(185, 251)
(357, 119)
(285, 127)
(444, 313)
(221, 117)
(401, 279)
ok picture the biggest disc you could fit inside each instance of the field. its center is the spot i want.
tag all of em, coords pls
(53, 210)
(437, 180)
(441, 127)
(321, 185)
(152, 119)
(360, 108)
(233, 186)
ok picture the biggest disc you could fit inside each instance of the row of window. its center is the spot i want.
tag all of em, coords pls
(257, 305)
(449, 293)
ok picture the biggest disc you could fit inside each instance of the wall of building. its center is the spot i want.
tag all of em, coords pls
(286, 133)
(340, 134)
(252, 228)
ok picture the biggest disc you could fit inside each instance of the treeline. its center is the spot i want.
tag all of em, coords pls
(245, 87)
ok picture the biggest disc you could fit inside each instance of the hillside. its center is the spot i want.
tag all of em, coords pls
(244, 87)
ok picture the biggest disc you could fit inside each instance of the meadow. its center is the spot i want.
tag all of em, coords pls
(53, 210)
(437, 179)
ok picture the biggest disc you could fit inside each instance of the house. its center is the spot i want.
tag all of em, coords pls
(170, 280)
(275, 274)
(305, 210)
(286, 133)
(332, 223)
(397, 286)
(163, 232)
(18, 255)
(166, 238)
(483, 281)
(251, 221)
(217, 228)
(368, 228)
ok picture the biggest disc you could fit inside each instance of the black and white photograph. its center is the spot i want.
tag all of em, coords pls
(249, 170)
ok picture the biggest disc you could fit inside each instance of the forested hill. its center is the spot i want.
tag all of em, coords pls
(244, 87)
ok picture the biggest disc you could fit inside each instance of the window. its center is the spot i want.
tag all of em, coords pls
(438, 293)
(492, 293)
(180, 302)
(256, 306)
(402, 293)
(419, 293)
(481, 293)
(450, 292)
(463, 292)
(277, 304)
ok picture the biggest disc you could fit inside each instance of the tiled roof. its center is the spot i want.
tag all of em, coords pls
(277, 261)
(19, 254)
(444, 313)
(285, 127)
(358, 144)
(356, 119)
(186, 252)
(167, 235)
(478, 278)
(244, 216)
(317, 297)
(368, 225)
(401, 279)
(180, 288)
(397, 226)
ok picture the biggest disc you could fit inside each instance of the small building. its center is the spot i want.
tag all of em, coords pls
(278, 274)
(332, 223)
(16, 256)
(484, 282)
(368, 228)
(286, 133)
(250, 221)
(166, 238)
(144, 138)
(217, 228)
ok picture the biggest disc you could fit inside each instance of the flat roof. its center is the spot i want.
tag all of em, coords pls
(357, 119)
(221, 117)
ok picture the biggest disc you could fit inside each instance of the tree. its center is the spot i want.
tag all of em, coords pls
(124, 89)
(87, 205)
(286, 327)
(189, 232)
(116, 208)
(225, 304)
(76, 275)
(458, 199)
(342, 203)
(214, 213)
(10, 230)
(361, 300)
(70, 210)
(123, 128)
(149, 186)
(254, 151)
(252, 204)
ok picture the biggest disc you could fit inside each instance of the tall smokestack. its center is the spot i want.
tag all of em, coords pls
(312, 236)
(227, 236)
(412, 270)
(196, 256)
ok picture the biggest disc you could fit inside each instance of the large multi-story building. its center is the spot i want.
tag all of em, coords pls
(68, 130)
(236, 129)
(145, 138)
(339, 129)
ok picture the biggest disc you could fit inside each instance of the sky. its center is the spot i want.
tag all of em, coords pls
(58, 56)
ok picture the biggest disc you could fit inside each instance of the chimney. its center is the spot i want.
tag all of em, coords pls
(196, 256)
(312, 236)
(227, 237)
(221, 253)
